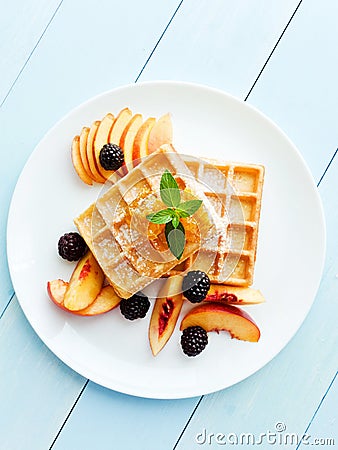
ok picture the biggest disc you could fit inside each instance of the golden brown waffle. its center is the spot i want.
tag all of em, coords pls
(117, 232)
(235, 190)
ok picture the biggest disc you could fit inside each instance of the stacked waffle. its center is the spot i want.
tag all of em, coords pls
(235, 191)
(221, 237)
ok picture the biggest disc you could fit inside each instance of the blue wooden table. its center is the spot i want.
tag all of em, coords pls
(280, 56)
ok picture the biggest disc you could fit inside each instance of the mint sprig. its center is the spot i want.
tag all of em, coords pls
(171, 217)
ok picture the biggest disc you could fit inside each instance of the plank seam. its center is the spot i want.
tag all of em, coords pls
(273, 50)
(188, 421)
(317, 409)
(69, 414)
(158, 42)
(7, 305)
(31, 54)
(327, 167)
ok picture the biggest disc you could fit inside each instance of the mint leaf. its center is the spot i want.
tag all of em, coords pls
(163, 216)
(168, 181)
(175, 221)
(175, 239)
(170, 197)
(189, 207)
(169, 190)
(182, 214)
(169, 227)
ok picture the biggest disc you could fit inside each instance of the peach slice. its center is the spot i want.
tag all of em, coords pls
(77, 161)
(91, 155)
(83, 151)
(234, 295)
(121, 121)
(116, 131)
(216, 316)
(85, 284)
(100, 140)
(104, 302)
(165, 313)
(127, 139)
(160, 134)
(140, 146)
(56, 290)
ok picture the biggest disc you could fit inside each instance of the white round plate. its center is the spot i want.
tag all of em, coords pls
(114, 352)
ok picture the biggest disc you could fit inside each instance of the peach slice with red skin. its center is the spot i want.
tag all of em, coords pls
(216, 316)
(104, 302)
(165, 313)
(85, 283)
(234, 295)
(56, 290)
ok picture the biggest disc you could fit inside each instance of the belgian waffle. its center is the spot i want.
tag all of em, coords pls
(235, 190)
(116, 230)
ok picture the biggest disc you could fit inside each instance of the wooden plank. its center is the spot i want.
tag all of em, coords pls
(123, 421)
(19, 36)
(77, 58)
(54, 101)
(222, 43)
(36, 389)
(302, 371)
(323, 427)
(298, 88)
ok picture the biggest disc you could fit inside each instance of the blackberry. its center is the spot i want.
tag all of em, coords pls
(135, 307)
(194, 340)
(111, 157)
(71, 246)
(196, 285)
